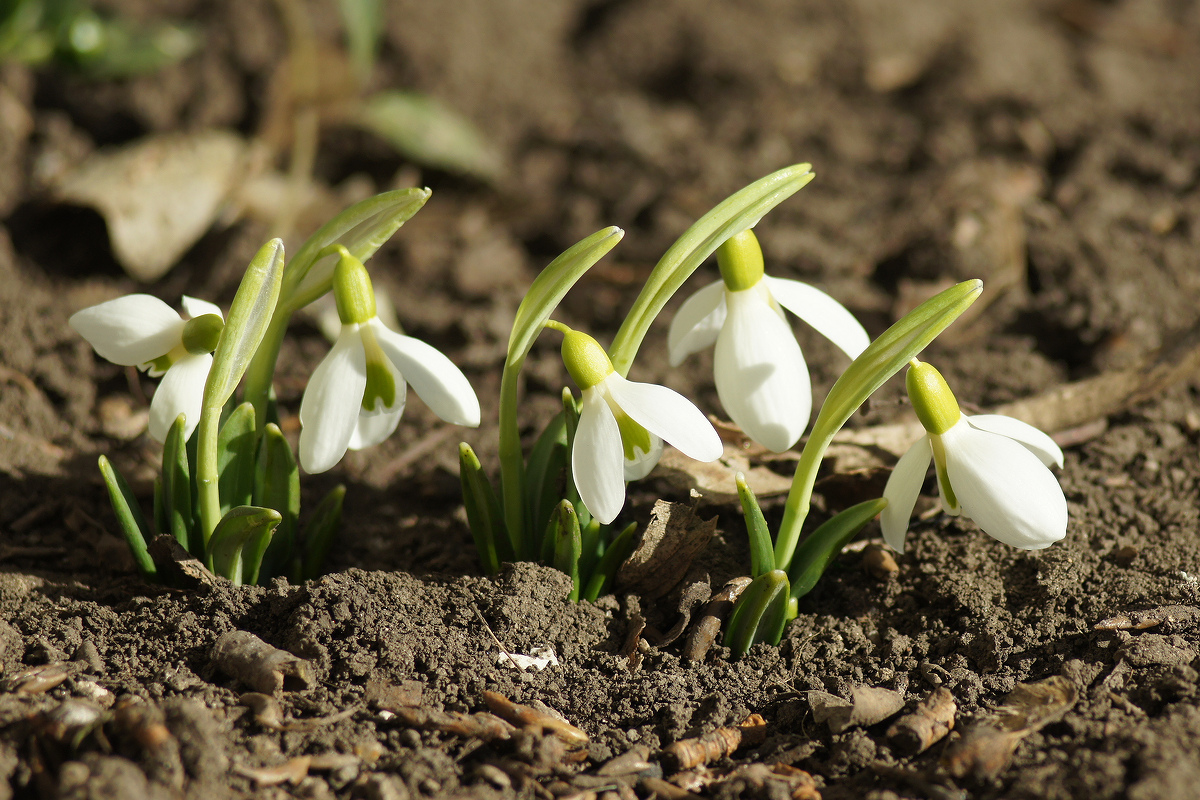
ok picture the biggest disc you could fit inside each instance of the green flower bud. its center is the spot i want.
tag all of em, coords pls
(200, 335)
(741, 261)
(931, 398)
(586, 361)
(352, 289)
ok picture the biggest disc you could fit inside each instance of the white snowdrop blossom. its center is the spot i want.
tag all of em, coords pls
(622, 425)
(143, 331)
(760, 373)
(356, 395)
(991, 468)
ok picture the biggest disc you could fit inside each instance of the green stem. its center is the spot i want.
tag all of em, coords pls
(799, 499)
(208, 494)
(512, 461)
(261, 371)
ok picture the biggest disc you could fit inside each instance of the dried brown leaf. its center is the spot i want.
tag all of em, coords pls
(673, 538)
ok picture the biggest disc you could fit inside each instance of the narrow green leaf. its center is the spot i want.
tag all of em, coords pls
(321, 531)
(593, 545)
(232, 533)
(882, 359)
(619, 549)
(544, 476)
(363, 228)
(129, 517)
(177, 488)
(483, 510)
(160, 507)
(736, 213)
(815, 553)
(762, 556)
(363, 21)
(236, 446)
(758, 607)
(429, 133)
(248, 318)
(277, 486)
(568, 544)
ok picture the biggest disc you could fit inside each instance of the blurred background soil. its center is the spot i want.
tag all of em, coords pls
(1049, 147)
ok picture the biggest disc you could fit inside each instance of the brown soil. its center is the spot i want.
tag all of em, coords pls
(1050, 148)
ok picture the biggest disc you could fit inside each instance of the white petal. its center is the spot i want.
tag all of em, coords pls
(195, 307)
(1037, 442)
(828, 316)
(644, 463)
(1005, 488)
(760, 373)
(596, 458)
(332, 402)
(180, 391)
(667, 414)
(901, 492)
(434, 378)
(130, 330)
(697, 322)
(372, 429)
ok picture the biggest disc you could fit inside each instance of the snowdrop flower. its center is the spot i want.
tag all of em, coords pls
(622, 425)
(356, 395)
(759, 371)
(143, 331)
(992, 468)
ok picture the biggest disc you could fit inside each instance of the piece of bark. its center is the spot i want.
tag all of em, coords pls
(708, 626)
(688, 753)
(266, 669)
(931, 720)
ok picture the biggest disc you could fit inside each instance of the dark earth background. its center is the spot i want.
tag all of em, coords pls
(1049, 147)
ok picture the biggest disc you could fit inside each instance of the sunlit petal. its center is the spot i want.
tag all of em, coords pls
(697, 323)
(180, 391)
(434, 378)
(829, 317)
(760, 373)
(1037, 442)
(330, 409)
(130, 330)
(195, 307)
(1005, 488)
(901, 492)
(667, 414)
(596, 458)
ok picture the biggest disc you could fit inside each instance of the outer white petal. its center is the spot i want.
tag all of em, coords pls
(644, 463)
(760, 373)
(130, 330)
(697, 322)
(434, 378)
(828, 316)
(667, 414)
(901, 492)
(1038, 443)
(180, 391)
(195, 307)
(332, 402)
(1005, 488)
(596, 458)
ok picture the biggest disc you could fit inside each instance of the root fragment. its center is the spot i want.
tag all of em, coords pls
(689, 753)
(931, 720)
(266, 669)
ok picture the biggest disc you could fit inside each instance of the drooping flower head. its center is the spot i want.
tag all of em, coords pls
(622, 425)
(760, 373)
(991, 468)
(356, 394)
(141, 330)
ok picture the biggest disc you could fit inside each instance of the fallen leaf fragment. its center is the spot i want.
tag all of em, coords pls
(526, 717)
(868, 705)
(767, 780)
(539, 658)
(1148, 618)
(266, 669)
(483, 726)
(986, 748)
(929, 722)
(670, 542)
(715, 480)
(39, 679)
(688, 753)
(158, 195)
